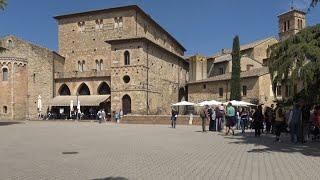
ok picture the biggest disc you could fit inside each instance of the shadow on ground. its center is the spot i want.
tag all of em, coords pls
(269, 145)
(9, 123)
(112, 178)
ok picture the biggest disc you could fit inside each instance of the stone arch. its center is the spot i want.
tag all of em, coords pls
(83, 89)
(64, 90)
(103, 89)
(126, 104)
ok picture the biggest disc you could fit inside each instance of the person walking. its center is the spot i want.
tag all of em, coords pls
(244, 120)
(174, 115)
(218, 118)
(230, 119)
(279, 122)
(99, 114)
(258, 121)
(103, 116)
(268, 119)
(204, 117)
(223, 117)
(295, 119)
(273, 111)
(211, 118)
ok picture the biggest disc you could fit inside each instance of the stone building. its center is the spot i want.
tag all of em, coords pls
(26, 73)
(290, 23)
(126, 53)
(255, 78)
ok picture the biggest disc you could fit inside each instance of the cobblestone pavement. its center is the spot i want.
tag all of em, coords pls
(34, 150)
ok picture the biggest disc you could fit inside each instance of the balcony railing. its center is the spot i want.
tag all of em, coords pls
(85, 74)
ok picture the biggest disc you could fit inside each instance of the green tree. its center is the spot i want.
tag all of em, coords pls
(3, 3)
(236, 70)
(297, 59)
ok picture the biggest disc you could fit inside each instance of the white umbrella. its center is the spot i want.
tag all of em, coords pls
(71, 107)
(214, 103)
(204, 103)
(183, 103)
(78, 107)
(39, 104)
(239, 103)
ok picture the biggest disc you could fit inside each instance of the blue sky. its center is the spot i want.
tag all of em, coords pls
(202, 26)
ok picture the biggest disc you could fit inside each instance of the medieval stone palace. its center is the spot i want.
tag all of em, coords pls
(121, 59)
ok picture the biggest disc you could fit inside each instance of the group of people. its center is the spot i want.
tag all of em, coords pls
(301, 121)
(116, 116)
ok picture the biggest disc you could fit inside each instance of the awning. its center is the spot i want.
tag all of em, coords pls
(92, 100)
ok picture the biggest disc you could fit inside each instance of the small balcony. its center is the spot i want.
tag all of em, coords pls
(84, 74)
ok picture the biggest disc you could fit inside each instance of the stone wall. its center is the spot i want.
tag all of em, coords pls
(159, 119)
(39, 73)
(13, 94)
(198, 93)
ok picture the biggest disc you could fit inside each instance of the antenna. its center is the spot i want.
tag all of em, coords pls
(292, 4)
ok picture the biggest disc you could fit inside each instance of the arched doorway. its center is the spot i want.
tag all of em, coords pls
(104, 89)
(64, 90)
(126, 104)
(83, 90)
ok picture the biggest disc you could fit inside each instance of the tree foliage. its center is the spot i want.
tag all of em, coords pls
(3, 4)
(297, 59)
(236, 70)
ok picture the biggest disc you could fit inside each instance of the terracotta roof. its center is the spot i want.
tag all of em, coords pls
(292, 10)
(246, 74)
(243, 47)
(135, 7)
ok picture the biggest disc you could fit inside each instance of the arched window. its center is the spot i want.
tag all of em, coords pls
(126, 58)
(5, 74)
(10, 43)
(97, 65)
(101, 64)
(5, 109)
(64, 90)
(83, 90)
(104, 89)
(126, 104)
(79, 66)
(82, 66)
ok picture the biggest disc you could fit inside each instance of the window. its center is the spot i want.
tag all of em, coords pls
(97, 65)
(81, 26)
(118, 22)
(5, 109)
(126, 79)
(249, 67)
(287, 92)
(204, 86)
(288, 25)
(99, 23)
(244, 90)
(279, 93)
(83, 90)
(220, 92)
(64, 90)
(10, 43)
(5, 74)
(300, 24)
(126, 58)
(221, 71)
(82, 66)
(101, 64)
(104, 89)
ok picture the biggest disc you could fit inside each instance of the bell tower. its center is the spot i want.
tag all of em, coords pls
(291, 22)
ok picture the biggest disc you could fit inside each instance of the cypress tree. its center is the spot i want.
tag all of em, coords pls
(235, 93)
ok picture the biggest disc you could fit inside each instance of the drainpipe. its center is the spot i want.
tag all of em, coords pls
(147, 78)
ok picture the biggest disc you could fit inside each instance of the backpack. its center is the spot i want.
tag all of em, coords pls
(202, 114)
